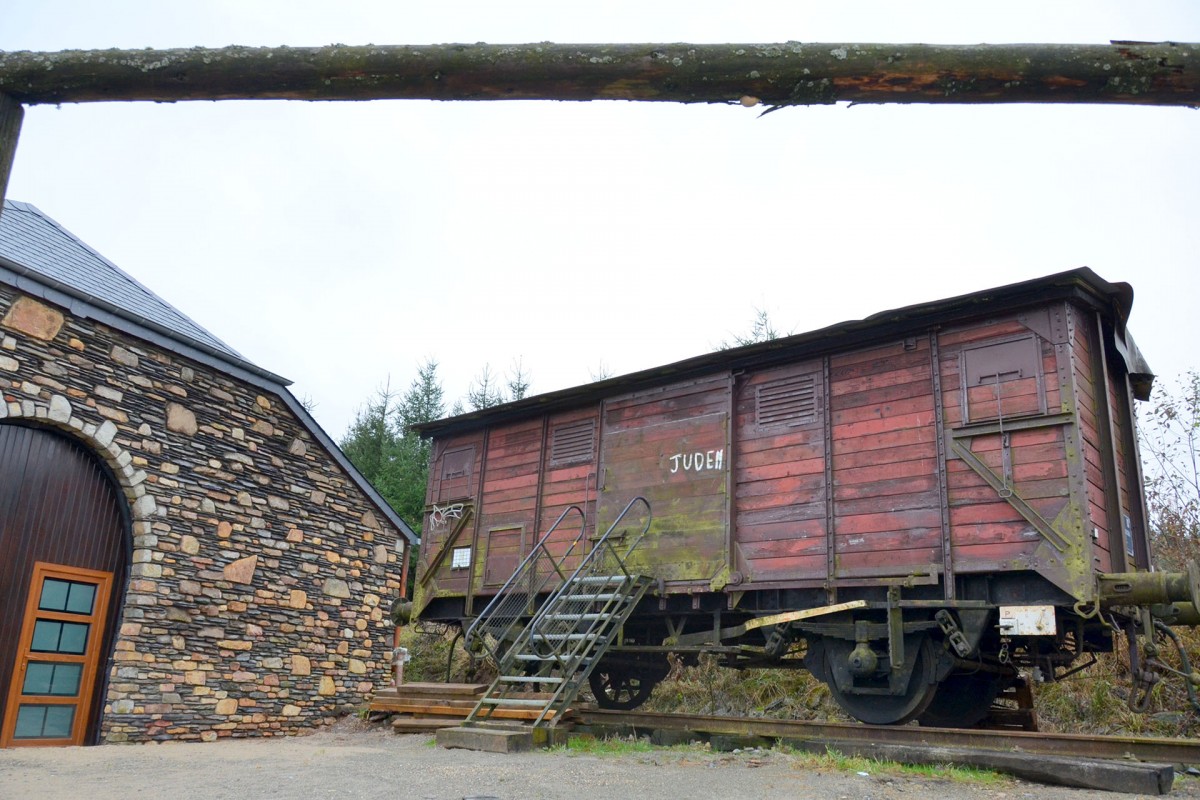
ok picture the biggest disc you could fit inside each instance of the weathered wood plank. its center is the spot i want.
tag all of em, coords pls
(788, 73)
(884, 472)
(952, 338)
(895, 486)
(887, 455)
(892, 386)
(893, 358)
(1104, 776)
(922, 419)
(784, 547)
(789, 516)
(910, 520)
(884, 440)
(883, 409)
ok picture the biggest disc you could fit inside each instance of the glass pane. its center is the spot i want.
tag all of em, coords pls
(50, 636)
(80, 598)
(74, 638)
(58, 722)
(46, 634)
(61, 680)
(44, 722)
(66, 680)
(30, 720)
(54, 595)
(37, 679)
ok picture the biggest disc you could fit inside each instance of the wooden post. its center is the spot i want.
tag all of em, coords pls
(10, 127)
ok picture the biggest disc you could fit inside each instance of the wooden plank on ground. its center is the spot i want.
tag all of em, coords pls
(435, 689)
(410, 725)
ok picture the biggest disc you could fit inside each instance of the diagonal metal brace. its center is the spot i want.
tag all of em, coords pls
(705, 637)
(1039, 523)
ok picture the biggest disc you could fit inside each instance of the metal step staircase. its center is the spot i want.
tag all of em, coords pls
(570, 632)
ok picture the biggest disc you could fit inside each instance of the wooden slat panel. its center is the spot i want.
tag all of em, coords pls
(780, 484)
(650, 448)
(57, 505)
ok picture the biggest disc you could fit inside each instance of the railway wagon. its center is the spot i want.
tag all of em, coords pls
(916, 507)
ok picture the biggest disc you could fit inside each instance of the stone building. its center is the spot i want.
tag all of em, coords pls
(184, 553)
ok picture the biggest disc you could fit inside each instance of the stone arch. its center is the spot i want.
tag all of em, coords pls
(127, 510)
(59, 413)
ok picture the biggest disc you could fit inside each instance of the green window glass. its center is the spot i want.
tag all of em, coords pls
(51, 636)
(44, 722)
(69, 596)
(61, 680)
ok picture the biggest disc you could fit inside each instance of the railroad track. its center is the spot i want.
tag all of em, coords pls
(1117, 763)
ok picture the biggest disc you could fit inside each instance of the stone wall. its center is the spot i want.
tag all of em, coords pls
(261, 573)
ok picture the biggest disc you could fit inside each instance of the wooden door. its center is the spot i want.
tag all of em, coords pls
(58, 654)
(60, 506)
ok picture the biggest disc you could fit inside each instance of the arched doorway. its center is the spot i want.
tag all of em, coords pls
(64, 555)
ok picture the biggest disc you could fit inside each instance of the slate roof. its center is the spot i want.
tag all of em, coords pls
(36, 242)
(40, 256)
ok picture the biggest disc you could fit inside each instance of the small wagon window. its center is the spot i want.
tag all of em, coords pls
(1002, 379)
(455, 473)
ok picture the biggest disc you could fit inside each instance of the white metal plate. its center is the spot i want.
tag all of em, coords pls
(1027, 620)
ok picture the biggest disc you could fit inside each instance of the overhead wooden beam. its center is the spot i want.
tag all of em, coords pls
(10, 128)
(790, 73)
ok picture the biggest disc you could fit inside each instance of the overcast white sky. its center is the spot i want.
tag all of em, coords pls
(340, 243)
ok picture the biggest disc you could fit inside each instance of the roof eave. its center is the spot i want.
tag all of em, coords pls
(1113, 299)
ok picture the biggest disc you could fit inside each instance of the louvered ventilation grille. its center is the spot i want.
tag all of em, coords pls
(574, 441)
(791, 401)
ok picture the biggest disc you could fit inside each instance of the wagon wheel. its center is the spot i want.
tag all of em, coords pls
(888, 709)
(618, 687)
(962, 701)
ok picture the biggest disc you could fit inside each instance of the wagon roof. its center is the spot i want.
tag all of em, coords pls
(1114, 300)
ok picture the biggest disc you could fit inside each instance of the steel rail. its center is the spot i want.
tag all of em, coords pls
(1169, 751)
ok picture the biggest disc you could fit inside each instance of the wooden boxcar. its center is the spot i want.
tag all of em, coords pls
(913, 506)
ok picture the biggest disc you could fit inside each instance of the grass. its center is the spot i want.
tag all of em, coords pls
(830, 760)
(609, 746)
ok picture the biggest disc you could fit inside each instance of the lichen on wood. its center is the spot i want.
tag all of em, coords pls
(789, 73)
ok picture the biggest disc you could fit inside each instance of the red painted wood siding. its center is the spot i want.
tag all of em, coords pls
(1090, 393)
(986, 531)
(779, 479)
(649, 447)
(508, 498)
(570, 483)
(456, 464)
(885, 495)
(887, 505)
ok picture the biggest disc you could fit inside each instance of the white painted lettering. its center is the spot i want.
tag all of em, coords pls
(700, 461)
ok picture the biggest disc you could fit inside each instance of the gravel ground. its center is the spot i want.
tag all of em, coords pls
(351, 761)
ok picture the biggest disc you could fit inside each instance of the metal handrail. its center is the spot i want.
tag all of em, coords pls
(588, 568)
(501, 615)
(572, 629)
